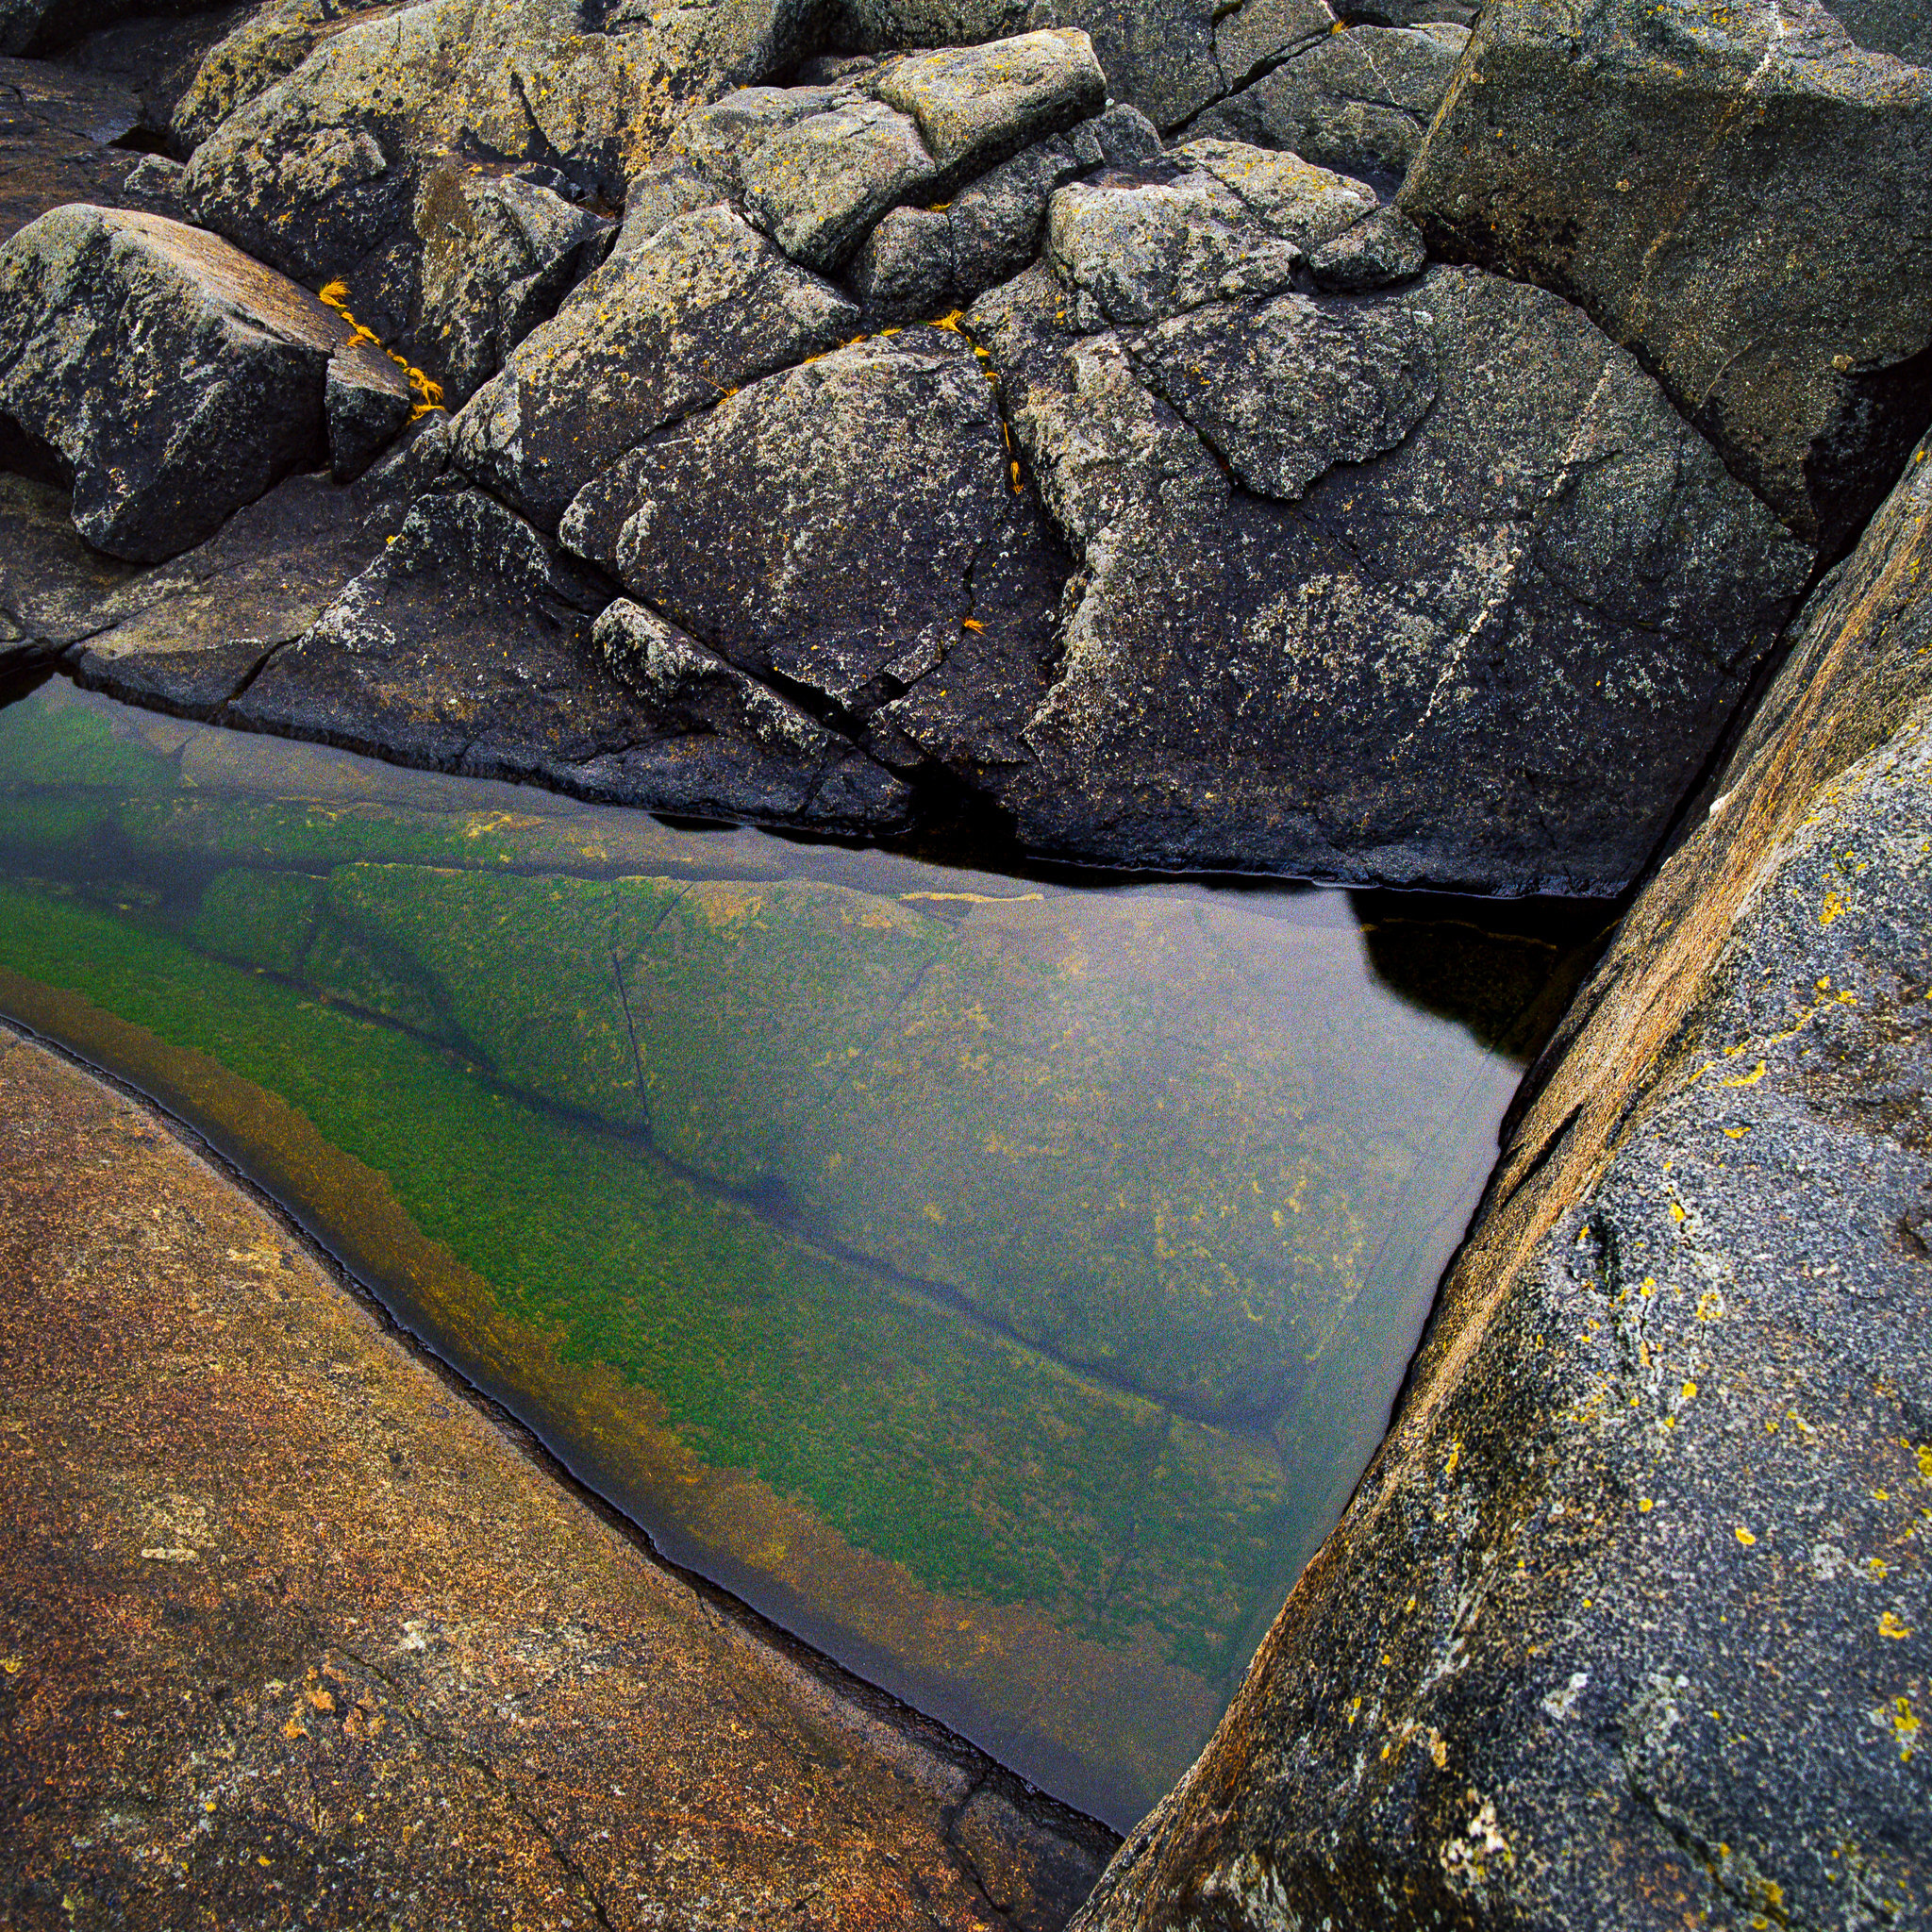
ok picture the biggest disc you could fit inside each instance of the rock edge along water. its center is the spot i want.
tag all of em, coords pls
(1630, 1622)
(292, 1628)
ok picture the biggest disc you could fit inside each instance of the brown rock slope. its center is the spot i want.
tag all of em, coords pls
(1630, 1622)
(289, 1634)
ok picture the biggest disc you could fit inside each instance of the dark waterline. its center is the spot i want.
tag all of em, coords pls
(1035, 1417)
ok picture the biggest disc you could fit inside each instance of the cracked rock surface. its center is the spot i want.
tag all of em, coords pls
(1630, 1622)
(1741, 193)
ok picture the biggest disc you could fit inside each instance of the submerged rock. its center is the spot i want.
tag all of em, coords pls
(1540, 602)
(1745, 196)
(1628, 1623)
(170, 377)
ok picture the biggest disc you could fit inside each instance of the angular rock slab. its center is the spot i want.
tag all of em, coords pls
(1239, 221)
(704, 305)
(468, 646)
(1746, 198)
(1630, 1622)
(174, 377)
(827, 527)
(1495, 653)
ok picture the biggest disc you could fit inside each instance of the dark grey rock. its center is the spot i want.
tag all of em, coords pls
(44, 26)
(1249, 39)
(746, 752)
(50, 581)
(1539, 608)
(55, 127)
(1630, 1622)
(1285, 391)
(1238, 222)
(1749, 206)
(1358, 100)
(266, 44)
(822, 525)
(468, 645)
(175, 378)
(367, 399)
(1386, 247)
(704, 305)
(153, 185)
(499, 253)
(921, 263)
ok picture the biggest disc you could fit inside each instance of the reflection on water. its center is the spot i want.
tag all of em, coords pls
(1002, 1283)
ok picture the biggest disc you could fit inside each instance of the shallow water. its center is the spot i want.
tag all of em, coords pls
(1001, 1282)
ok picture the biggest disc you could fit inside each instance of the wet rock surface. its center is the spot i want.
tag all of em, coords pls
(1737, 194)
(1630, 1622)
(321, 1643)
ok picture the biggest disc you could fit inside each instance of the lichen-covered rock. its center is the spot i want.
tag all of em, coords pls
(1359, 100)
(1539, 604)
(175, 378)
(1385, 247)
(1239, 221)
(499, 253)
(706, 305)
(827, 524)
(266, 44)
(817, 165)
(319, 174)
(924, 261)
(1630, 1622)
(1743, 194)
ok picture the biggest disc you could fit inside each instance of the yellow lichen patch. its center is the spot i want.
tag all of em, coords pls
(1890, 1625)
(1745, 1537)
(1832, 908)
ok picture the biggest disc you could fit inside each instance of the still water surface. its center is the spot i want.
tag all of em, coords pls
(1000, 1282)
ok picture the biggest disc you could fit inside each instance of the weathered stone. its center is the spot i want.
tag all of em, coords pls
(718, 140)
(1743, 196)
(1541, 605)
(975, 105)
(54, 133)
(50, 581)
(1238, 223)
(482, 1702)
(923, 261)
(743, 742)
(1262, 33)
(1286, 391)
(703, 306)
(817, 185)
(267, 43)
(669, 187)
(1359, 100)
(367, 399)
(823, 524)
(467, 645)
(1627, 1624)
(499, 253)
(176, 378)
(1385, 247)
(319, 175)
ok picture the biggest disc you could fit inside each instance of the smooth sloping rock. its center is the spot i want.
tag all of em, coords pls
(1358, 100)
(824, 524)
(1238, 222)
(176, 378)
(703, 306)
(499, 253)
(1746, 198)
(468, 645)
(1540, 606)
(1630, 1622)
(486, 1704)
